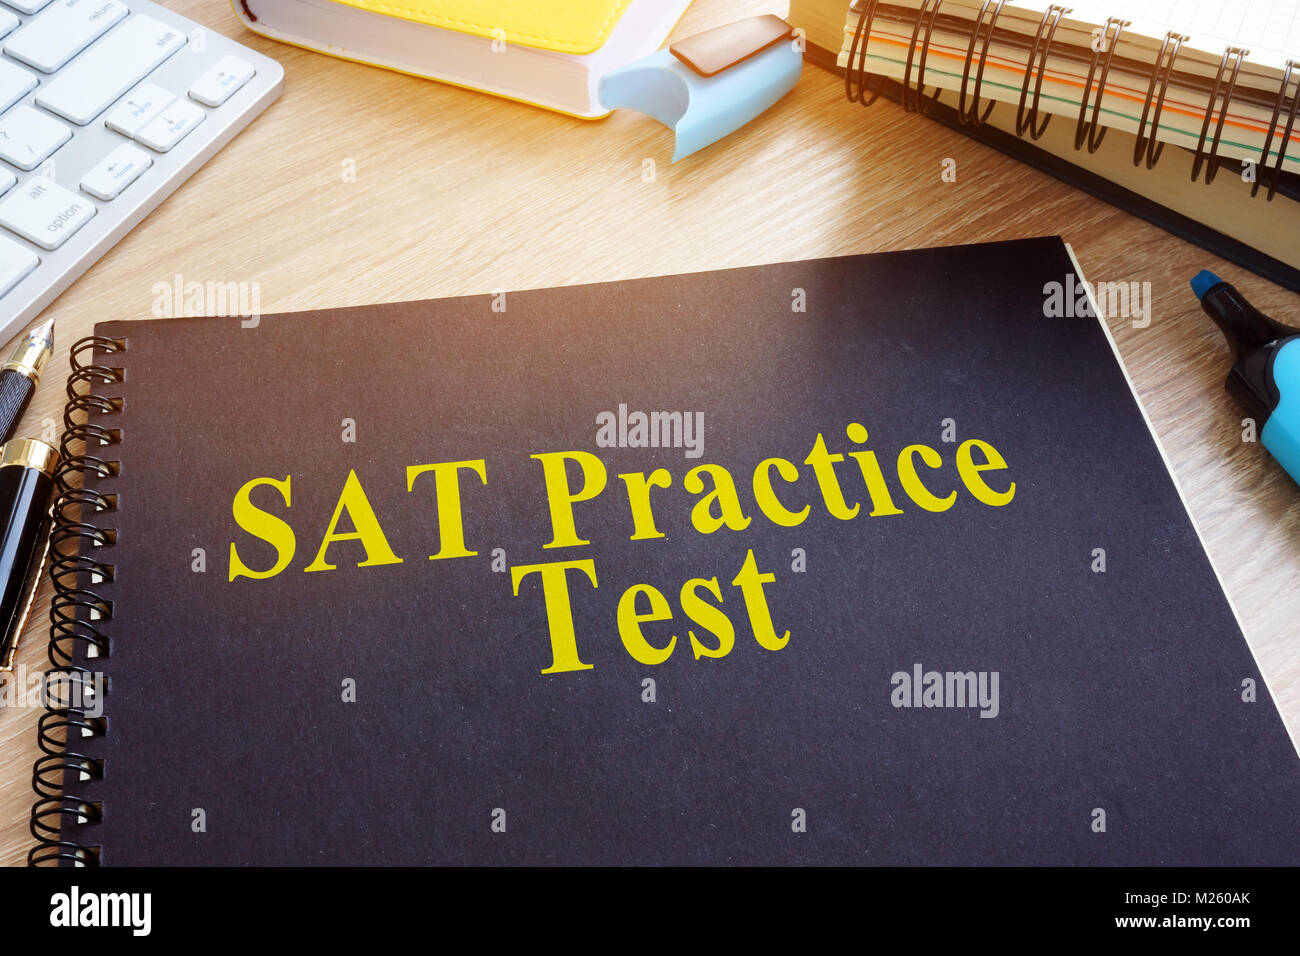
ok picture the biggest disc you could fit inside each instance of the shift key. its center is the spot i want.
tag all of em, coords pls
(99, 77)
(44, 212)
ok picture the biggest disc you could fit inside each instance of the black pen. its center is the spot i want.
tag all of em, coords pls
(19, 375)
(26, 483)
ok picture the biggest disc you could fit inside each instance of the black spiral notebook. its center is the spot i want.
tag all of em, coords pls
(866, 560)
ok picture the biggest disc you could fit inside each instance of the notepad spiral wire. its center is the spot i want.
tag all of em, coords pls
(77, 610)
(860, 88)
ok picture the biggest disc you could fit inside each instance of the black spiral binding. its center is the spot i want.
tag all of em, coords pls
(858, 51)
(77, 611)
(1161, 74)
(1092, 131)
(1089, 131)
(1211, 160)
(973, 116)
(863, 86)
(1291, 67)
(1050, 21)
(915, 101)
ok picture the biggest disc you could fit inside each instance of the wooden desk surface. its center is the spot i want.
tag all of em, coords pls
(456, 192)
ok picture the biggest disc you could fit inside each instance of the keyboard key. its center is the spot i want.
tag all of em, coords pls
(44, 212)
(137, 108)
(15, 83)
(170, 126)
(218, 84)
(28, 136)
(7, 181)
(27, 6)
(108, 69)
(15, 262)
(8, 23)
(116, 171)
(59, 33)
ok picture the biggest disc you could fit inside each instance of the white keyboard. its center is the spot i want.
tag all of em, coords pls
(106, 106)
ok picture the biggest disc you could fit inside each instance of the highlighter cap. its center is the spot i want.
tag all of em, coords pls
(1254, 339)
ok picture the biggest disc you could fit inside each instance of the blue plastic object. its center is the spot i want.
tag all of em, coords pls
(1281, 433)
(1203, 282)
(702, 110)
(1265, 374)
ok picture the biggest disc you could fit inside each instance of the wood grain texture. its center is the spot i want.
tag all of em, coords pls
(457, 192)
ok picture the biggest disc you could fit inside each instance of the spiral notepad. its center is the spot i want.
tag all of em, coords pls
(1245, 108)
(1095, 98)
(786, 564)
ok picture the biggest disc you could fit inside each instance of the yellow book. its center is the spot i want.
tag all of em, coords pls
(551, 53)
(571, 26)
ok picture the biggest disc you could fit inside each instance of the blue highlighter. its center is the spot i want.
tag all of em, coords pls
(1265, 376)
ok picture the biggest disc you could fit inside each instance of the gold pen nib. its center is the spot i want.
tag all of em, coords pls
(33, 351)
(45, 332)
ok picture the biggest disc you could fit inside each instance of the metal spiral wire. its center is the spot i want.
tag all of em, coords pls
(78, 612)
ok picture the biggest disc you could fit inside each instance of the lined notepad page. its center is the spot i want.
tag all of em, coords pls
(1269, 29)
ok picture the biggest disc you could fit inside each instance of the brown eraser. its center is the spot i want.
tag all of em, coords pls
(712, 51)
